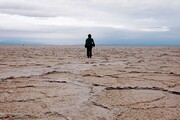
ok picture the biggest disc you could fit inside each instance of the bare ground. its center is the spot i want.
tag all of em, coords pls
(59, 82)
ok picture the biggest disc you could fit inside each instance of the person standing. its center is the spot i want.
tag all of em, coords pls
(89, 45)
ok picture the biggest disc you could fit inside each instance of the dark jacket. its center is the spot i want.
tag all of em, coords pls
(89, 43)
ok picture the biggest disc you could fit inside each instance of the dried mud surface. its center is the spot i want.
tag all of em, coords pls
(118, 83)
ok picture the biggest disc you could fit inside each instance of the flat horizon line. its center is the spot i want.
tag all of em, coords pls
(96, 45)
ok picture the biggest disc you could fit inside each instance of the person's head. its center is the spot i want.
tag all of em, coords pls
(89, 36)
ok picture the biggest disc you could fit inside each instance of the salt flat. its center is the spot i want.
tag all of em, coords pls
(117, 83)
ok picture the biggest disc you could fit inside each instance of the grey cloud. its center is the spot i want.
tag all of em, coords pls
(101, 35)
(46, 8)
(159, 18)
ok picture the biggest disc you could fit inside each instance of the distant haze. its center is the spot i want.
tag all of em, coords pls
(111, 22)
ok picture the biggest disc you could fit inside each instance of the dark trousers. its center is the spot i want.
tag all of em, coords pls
(89, 52)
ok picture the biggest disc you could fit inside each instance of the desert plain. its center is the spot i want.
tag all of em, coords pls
(117, 83)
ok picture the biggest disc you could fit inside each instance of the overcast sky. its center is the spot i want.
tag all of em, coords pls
(111, 22)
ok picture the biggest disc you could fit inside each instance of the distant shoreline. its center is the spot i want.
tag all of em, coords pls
(100, 45)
